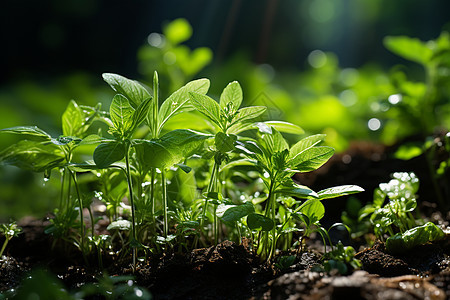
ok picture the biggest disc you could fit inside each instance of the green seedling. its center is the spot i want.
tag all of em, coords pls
(8, 231)
(276, 163)
(402, 242)
(159, 153)
(341, 258)
(45, 153)
(396, 214)
(229, 120)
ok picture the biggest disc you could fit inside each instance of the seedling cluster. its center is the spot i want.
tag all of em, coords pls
(179, 188)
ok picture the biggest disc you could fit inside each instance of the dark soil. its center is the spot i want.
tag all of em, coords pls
(231, 271)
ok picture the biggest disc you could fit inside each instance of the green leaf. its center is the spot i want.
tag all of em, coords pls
(93, 139)
(108, 153)
(296, 190)
(225, 142)
(33, 156)
(408, 151)
(409, 48)
(231, 96)
(121, 114)
(207, 107)
(170, 149)
(72, 120)
(259, 222)
(411, 238)
(233, 213)
(177, 102)
(248, 113)
(177, 31)
(131, 89)
(338, 191)
(27, 130)
(274, 142)
(304, 144)
(119, 225)
(312, 158)
(140, 114)
(285, 127)
(313, 209)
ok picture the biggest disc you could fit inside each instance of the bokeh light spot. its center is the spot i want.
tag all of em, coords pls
(374, 124)
(317, 59)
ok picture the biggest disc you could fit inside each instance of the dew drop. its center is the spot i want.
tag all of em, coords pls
(139, 293)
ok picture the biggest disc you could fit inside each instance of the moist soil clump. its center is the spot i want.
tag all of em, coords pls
(423, 260)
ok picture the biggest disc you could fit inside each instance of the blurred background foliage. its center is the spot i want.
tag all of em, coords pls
(325, 65)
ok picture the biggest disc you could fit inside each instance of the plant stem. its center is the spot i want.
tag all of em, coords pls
(130, 189)
(7, 238)
(80, 205)
(152, 195)
(61, 200)
(155, 120)
(164, 195)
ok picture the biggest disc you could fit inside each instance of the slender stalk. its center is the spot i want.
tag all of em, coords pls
(7, 238)
(130, 190)
(155, 120)
(164, 195)
(61, 200)
(80, 205)
(152, 193)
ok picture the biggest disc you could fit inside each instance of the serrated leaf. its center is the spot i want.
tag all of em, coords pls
(285, 127)
(338, 191)
(225, 142)
(108, 153)
(27, 130)
(207, 107)
(93, 139)
(179, 100)
(141, 112)
(274, 142)
(33, 156)
(247, 114)
(121, 114)
(304, 144)
(131, 89)
(72, 120)
(259, 222)
(231, 96)
(312, 158)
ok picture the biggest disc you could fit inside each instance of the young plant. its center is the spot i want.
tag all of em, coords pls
(402, 242)
(9, 231)
(157, 116)
(396, 214)
(341, 258)
(395, 218)
(44, 153)
(125, 120)
(276, 163)
(229, 120)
